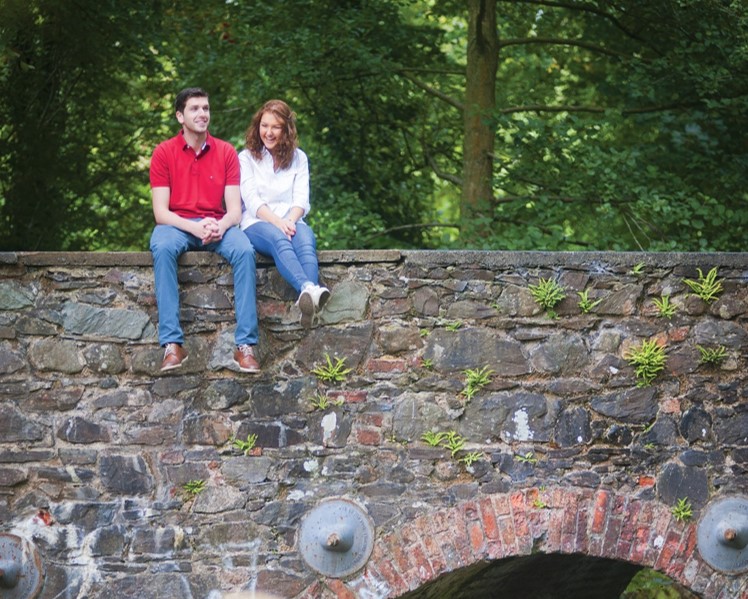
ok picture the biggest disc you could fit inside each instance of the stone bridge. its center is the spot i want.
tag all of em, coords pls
(447, 435)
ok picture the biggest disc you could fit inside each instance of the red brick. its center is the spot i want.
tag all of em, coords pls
(434, 555)
(581, 538)
(488, 517)
(568, 543)
(387, 365)
(501, 505)
(347, 396)
(555, 531)
(508, 536)
(421, 565)
(477, 539)
(369, 437)
(600, 513)
(612, 536)
(669, 550)
(646, 481)
(390, 575)
(469, 510)
(341, 591)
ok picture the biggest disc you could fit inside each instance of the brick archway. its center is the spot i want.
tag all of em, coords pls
(556, 520)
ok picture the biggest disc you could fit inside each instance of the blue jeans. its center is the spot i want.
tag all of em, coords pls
(167, 244)
(295, 259)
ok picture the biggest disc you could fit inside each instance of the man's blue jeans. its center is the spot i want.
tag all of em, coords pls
(295, 259)
(167, 244)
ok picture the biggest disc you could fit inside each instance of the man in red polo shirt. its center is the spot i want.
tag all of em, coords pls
(197, 205)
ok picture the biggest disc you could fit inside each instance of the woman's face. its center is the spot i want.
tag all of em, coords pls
(271, 131)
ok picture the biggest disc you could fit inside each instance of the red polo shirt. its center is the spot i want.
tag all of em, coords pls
(196, 181)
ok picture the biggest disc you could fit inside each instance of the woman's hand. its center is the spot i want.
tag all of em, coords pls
(288, 226)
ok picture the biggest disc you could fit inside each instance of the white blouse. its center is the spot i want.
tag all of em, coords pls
(279, 191)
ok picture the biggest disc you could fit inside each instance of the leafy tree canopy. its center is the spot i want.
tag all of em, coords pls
(611, 125)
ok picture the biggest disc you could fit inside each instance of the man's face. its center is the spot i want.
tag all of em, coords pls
(196, 115)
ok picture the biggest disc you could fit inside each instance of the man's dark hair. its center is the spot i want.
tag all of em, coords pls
(186, 94)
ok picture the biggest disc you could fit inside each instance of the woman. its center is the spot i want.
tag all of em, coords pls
(275, 192)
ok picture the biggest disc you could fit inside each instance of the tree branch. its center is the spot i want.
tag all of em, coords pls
(577, 6)
(441, 174)
(413, 226)
(434, 92)
(561, 42)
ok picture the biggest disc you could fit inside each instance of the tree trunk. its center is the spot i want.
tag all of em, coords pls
(480, 101)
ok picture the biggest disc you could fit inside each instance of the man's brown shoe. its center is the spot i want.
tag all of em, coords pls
(174, 356)
(244, 358)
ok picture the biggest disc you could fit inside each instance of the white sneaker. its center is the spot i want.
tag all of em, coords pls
(320, 295)
(311, 300)
(306, 305)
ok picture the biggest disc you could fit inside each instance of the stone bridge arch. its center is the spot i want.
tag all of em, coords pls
(618, 529)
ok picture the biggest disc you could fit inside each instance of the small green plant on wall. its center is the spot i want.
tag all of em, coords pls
(707, 287)
(638, 269)
(586, 304)
(475, 380)
(332, 372)
(246, 446)
(194, 487)
(455, 325)
(712, 356)
(470, 458)
(547, 294)
(648, 360)
(664, 307)
(449, 440)
(682, 510)
(527, 458)
(433, 438)
(321, 402)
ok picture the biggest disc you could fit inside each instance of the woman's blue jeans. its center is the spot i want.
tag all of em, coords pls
(295, 258)
(167, 244)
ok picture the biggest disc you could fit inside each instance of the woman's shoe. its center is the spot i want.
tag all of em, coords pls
(320, 295)
(306, 304)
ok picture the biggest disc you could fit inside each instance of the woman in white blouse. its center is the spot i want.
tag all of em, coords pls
(275, 192)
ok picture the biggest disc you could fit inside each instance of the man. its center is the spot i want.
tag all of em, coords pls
(197, 205)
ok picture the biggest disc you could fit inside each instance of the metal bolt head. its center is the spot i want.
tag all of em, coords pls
(722, 536)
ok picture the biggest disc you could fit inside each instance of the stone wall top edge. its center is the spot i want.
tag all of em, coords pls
(134, 259)
(434, 258)
(488, 258)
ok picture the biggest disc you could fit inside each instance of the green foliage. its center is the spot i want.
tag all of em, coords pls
(624, 140)
(648, 360)
(682, 510)
(427, 363)
(475, 380)
(712, 355)
(527, 458)
(650, 584)
(321, 402)
(453, 442)
(706, 287)
(638, 269)
(332, 372)
(585, 303)
(455, 325)
(194, 487)
(664, 307)
(448, 440)
(547, 294)
(470, 458)
(246, 446)
(433, 438)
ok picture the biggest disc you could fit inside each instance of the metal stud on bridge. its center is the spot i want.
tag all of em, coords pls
(336, 538)
(21, 572)
(723, 535)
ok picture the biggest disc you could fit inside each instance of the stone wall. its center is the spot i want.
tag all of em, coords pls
(98, 450)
